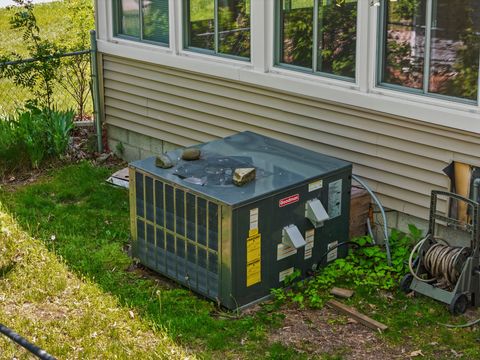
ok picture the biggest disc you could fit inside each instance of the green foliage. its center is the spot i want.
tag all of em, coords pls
(61, 125)
(32, 136)
(37, 76)
(365, 266)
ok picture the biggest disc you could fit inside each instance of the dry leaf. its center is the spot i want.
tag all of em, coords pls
(416, 353)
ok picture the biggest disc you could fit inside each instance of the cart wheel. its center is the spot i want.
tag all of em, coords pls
(405, 283)
(458, 305)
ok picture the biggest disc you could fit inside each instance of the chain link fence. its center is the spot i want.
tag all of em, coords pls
(71, 87)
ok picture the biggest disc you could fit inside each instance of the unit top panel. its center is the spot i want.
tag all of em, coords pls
(279, 166)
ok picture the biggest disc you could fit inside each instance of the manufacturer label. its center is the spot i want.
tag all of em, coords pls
(310, 239)
(283, 274)
(315, 185)
(289, 200)
(254, 219)
(254, 258)
(284, 251)
(332, 255)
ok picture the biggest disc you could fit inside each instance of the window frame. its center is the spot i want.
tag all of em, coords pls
(186, 34)
(424, 91)
(116, 17)
(311, 71)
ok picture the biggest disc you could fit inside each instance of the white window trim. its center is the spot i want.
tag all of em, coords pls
(261, 70)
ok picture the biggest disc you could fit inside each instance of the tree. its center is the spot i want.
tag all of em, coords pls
(38, 76)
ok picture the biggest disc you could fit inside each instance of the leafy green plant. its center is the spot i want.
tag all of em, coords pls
(32, 136)
(31, 132)
(365, 266)
(61, 124)
(11, 149)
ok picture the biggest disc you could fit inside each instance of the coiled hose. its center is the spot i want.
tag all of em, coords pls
(440, 261)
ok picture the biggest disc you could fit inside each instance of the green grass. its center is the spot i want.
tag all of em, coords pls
(52, 22)
(50, 18)
(89, 220)
(64, 314)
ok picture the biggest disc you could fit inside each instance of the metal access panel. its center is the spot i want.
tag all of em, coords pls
(234, 244)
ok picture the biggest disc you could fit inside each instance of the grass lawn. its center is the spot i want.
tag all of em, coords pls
(52, 22)
(89, 220)
(68, 293)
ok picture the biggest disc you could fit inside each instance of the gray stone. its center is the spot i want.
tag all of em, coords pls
(163, 161)
(191, 154)
(243, 176)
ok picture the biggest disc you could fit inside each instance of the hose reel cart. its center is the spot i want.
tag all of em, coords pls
(447, 273)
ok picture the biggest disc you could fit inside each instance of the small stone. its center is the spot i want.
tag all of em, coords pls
(243, 176)
(163, 161)
(191, 154)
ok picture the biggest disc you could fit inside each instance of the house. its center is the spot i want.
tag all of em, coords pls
(392, 86)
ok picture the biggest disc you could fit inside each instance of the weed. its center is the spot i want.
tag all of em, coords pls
(120, 148)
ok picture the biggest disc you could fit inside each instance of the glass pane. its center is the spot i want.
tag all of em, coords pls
(234, 27)
(455, 48)
(337, 39)
(296, 32)
(201, 24)
(155, 20)
(129, 18)
(405, 43)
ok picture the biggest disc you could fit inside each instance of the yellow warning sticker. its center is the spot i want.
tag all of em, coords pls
(254, 257)
(254, 244)
(254, 273)
(252, 233)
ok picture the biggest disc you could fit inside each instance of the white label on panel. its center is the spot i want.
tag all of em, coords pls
(284, 251)
(332, 255)
(309, 238)
(254, 219)
(315, 185)
(283, 274)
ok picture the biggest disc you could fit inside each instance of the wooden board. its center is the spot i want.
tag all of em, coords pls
(340, 292)
(361, 318)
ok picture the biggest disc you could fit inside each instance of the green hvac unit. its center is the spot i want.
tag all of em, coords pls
(234, 243)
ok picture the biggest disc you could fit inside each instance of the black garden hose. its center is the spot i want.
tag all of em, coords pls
(35, 350)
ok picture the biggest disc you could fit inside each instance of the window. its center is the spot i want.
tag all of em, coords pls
(432, 47)
(218, 27)
(318, 36)
(143, 20)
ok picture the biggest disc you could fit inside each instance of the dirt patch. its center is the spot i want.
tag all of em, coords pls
(322, 332)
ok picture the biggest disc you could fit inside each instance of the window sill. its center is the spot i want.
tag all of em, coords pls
(416, 107)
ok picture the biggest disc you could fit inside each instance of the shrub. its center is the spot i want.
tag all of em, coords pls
(33, 136)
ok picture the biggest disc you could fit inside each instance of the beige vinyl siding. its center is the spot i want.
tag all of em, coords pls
(402, 159)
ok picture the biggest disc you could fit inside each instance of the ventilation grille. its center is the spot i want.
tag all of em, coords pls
(177, 234)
